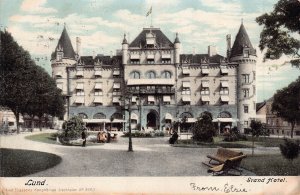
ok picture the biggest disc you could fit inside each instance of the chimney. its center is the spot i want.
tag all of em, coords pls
(228, 40)
(212, 50)
(78, 43)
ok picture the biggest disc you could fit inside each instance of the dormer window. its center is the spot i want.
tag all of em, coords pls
(150, 40)
(59, 56)
(246, 53)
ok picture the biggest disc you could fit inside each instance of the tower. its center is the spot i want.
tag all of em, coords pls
(244, 54)
(124, 50)
(177, 50)
(63, 57)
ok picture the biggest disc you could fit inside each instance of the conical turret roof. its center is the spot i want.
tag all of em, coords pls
(241, 41)
(64, 44)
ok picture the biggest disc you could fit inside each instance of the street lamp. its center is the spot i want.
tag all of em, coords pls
(127, 99)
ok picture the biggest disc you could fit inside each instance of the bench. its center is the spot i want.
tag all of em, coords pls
(229, 164)
(223, 154)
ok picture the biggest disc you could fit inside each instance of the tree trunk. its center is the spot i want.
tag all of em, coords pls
(40, 123)
(292, 130)
(17, 115)
(32, 123)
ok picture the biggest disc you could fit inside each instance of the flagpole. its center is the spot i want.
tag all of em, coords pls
(151, 16)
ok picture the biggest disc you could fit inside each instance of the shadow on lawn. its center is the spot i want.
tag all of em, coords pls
(18, 163)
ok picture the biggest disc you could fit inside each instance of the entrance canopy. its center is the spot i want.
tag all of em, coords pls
(225, 120)
(96, 120)
(168, 116)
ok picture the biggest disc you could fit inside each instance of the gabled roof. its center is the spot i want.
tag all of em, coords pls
(65, 44)
(161, 39)
(260, 105)
(242, 40)
(104, 60)
(199, 58)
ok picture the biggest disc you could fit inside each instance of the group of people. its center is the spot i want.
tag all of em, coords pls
(103, 136)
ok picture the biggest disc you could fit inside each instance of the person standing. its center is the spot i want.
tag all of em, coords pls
(83, 136)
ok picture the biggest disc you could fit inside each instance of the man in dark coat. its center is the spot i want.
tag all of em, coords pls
(83, 136)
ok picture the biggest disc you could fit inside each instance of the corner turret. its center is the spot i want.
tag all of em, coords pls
(177, 47)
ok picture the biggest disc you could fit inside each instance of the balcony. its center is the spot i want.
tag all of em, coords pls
(157, 91)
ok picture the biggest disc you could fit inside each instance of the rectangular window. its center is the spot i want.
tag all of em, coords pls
(246, 78)
(98, 92)
(224, 91)
(246, 108)
(246, 123)
(204, 91)
(245, 93)
(246, 53)
(79, 92)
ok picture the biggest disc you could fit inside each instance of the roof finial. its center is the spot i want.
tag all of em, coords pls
(242, 20)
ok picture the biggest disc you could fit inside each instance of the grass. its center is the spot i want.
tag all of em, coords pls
(267, 165)
(18, 163)
(48, 138)
(218, 142)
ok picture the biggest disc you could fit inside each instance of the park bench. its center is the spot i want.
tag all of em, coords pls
(229, 164)
(223, 154)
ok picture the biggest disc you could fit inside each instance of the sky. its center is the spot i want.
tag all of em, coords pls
(37, 24)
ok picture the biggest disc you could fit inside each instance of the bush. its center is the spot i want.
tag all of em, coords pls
(144, 134)
(203, 130)
(72, 130)
(289, 149)
(234, 135)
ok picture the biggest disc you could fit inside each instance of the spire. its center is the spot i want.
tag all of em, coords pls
(124, 40)
(242, 41)
(176, 39)
(65, 44)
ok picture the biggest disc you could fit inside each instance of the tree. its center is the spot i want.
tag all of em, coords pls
(290, 149)
(257, 129)
(16, 77)
(278, 28)
(72, 129)
(204, 129)
(286, 104)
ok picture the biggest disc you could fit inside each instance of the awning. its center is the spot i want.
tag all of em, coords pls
(98, 99)
(116, 99)
(79, 100)
(58, 74)
(225, 98)
(98, 73)
(168, 116)
(191, 120)
(205, 71)
(134, 116)
(96, 120)
(151, 98)
(133, 98)
(79, 73)
(150, 56)
(98, 86)
(10, 119)
(186, 98)
(205, 98)
(186, 84)
(117, 85)
(118, 121)
(224, 84)
(134, 56)
(166, 98)
(166, 56)
(229, 120)
(59, 86)
(205, 84)
(151, 82)
(79, 86)
(116, 72)
(185, 71)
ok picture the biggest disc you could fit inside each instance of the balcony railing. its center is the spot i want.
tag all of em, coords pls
(153, 91)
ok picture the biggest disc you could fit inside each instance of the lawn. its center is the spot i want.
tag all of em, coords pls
(18, 163)
(218, 142)
(49, 138)
(267, 165)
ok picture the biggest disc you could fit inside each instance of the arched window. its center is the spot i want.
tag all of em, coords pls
(99, 116)
(224, 114)
(135, 75)
(207, 114)
(83, 115)
(186, 115)
(151, 75)
(166, 75)
(117, 115)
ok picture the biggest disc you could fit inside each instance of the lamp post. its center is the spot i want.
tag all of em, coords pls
(127, 99)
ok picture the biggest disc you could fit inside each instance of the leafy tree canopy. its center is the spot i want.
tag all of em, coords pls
(281, 27)
(286, 103)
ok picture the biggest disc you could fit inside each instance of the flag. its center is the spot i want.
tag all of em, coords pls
(149, 12)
